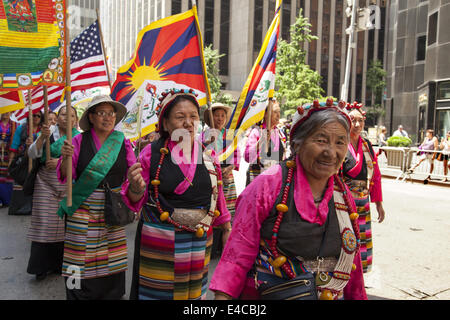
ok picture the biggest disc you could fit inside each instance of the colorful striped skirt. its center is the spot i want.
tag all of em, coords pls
(173, 265)
(365, 230)
(46, 226)
(229, 190)
(253, 171)
(90, 247)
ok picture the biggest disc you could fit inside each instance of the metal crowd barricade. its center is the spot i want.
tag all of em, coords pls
(393, 160)
(425, 158)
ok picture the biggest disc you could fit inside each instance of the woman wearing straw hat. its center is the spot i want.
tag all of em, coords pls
(94, 252)
(297, 220)
(221, 115)
(178, 185)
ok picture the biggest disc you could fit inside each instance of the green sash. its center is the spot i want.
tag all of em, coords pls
(55, 147)
(94, 173)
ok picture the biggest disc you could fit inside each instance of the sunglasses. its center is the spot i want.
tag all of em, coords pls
(36, 115)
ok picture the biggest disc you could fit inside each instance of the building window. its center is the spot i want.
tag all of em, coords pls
(176, 6)
(432, 28)
(444, 90)
(209, 22)
(421, 48)
(286, 20)
(257, 26)
(224, 36)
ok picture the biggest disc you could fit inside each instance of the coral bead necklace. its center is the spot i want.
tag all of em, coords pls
(279, 261)
(165, 215)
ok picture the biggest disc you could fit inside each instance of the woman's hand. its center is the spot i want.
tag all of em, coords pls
(45, 131)
(380, 210)
(51, 164)
(137, 183)
(226, 171)
(67, 150)
(29, 141)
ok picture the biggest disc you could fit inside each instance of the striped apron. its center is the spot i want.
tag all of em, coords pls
(173, 264)
(229, 190)
(96, 249)
(46, 226)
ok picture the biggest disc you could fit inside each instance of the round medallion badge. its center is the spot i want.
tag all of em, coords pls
(349, 243)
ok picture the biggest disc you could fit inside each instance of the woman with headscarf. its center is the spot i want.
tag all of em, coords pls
(297, 220)
(95, 253)
(260, 156)
(46, 231)
(363, 177)
(178, 185)
(20, 203)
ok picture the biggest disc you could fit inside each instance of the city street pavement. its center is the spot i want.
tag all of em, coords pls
(411, 248)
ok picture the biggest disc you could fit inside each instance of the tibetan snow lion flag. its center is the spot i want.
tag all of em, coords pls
(32, 47)
(11, 100)
(168, 55)
(257, 90)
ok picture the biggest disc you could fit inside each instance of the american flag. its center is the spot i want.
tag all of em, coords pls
(88, 70)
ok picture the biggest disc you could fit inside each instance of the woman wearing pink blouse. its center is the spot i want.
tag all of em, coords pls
(297, 219)
(178, 185)
(362, 176)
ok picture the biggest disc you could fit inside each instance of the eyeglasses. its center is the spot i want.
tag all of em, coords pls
(105, 113)
(36, 115)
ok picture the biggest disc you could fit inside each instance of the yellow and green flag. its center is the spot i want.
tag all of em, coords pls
(32, 50)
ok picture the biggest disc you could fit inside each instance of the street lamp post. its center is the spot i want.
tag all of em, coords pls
(350, 4)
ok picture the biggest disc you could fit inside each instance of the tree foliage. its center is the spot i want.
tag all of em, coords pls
(296, 82)
(212, 58)
(375, 80)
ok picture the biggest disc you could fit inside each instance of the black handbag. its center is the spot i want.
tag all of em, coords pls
(117, 212)
(18, 169)
(302, 287)
(28, 185)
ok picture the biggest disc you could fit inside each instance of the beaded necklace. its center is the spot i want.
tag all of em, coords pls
(279, 261)
(164, 215)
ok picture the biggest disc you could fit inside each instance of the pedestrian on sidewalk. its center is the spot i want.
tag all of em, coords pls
(178, 185)
(46, 231)
(220, 116)
(430, 143)
(363, 177)
(297, 220)
(445, 147)
(96, 251)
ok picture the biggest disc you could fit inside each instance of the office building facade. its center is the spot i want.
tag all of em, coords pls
(418, 68)
(237, 29)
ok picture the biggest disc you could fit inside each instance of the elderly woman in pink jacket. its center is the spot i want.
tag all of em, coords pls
(296, 233)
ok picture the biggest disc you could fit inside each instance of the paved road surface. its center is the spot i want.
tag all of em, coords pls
(411, 248)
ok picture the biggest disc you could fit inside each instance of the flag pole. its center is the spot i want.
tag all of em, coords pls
(140, 100)
(30, 126)
(103, 47)
(68, 94)
(269, 124)
(47, 141)
(205, 77)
